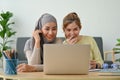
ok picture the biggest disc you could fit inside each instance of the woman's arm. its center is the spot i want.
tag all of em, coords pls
(33, 57)
(96, 55)
(29, 68)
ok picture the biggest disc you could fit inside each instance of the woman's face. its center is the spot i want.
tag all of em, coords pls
(49, 30)
(72, 31)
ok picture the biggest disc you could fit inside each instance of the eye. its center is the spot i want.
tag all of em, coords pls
(54, 28)
(47, 29)
(68, 30)
(75, 29)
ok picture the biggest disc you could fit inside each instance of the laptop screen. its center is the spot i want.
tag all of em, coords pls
(66, 59)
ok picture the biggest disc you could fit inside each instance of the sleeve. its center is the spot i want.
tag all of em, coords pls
(38, 67)
(33, 56)
(96, 52)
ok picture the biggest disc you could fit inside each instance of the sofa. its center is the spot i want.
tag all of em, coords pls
(21, 42)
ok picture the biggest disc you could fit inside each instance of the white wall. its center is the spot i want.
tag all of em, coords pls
(98, 17)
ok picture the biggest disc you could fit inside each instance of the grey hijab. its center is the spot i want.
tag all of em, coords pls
(45, 18)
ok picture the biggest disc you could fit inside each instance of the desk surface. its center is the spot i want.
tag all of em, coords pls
(42, 76)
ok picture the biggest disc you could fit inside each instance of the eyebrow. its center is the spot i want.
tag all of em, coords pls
(51, 27)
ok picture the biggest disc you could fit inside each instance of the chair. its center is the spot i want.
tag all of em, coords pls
(110, 52)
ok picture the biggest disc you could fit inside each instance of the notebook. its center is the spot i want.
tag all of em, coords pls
(66, 59)
(109, 72)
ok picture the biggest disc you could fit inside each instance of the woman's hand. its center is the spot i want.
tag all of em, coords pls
(36, 35)
(72, 40)
(25, 68)
(94, 65)
(37, 38)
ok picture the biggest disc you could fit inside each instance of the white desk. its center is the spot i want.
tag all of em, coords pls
(42, 76)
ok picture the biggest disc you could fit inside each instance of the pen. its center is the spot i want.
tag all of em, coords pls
(4, 55)
(8, 54)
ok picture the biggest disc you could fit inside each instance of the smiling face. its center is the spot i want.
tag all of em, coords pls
(72, 30)
(49, 31)
(72, 26)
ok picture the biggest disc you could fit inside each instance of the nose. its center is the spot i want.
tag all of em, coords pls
(72, 32)
(50, 32)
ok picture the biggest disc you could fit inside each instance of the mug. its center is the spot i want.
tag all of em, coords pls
(10, 66)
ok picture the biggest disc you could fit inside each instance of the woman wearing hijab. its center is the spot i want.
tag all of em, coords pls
(45, 33)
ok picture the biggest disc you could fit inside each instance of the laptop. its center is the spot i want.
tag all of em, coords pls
(66, 59)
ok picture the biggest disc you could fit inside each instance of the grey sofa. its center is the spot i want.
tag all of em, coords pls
(20, 49)
(21, 42)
